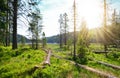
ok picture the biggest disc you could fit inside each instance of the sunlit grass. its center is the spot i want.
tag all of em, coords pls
(104, 68)
(18, 63)
(15, 63)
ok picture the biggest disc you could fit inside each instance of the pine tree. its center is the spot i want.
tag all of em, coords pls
(61, 30)
(82, 43)
(44, 41)
(35, 22)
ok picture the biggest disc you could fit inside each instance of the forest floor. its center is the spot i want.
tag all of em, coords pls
(21, 62)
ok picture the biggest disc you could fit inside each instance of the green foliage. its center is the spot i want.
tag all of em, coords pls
(35, 24)
(69, 44)
(104, 68)
(62, 69)
(96, 46)
(82, 55)
(100, 57)
(82, 43)
(114, 55)
(18, 63)
(44, 41)
(3, 22)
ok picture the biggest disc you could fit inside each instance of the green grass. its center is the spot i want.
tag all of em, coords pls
(20, 63)
(102, 57)
(104, 68)
(113, 58)
(99, 57)
(96, 46)
(63, 69)
(16, 63)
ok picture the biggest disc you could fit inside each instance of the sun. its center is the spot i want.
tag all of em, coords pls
(91, 11)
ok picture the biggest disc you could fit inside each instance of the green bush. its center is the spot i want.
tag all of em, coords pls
(82, 55)
(114, 55)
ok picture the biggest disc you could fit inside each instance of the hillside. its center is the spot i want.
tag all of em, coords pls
(56, 38)
(19, 37)
(92, 36)
(53, 39)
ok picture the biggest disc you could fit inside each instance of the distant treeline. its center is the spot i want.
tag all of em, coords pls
(20, 38)
(95, 36)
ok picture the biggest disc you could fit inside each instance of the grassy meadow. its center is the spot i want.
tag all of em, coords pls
(20, 63)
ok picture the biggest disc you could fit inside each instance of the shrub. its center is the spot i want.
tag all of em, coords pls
(114, 55)
(82, 55)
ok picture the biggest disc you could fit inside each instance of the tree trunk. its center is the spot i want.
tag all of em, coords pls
(74, 53)
(60, 40)
(9, 23)
(37, 37)
(9, 40)
(6, 35)
(6, 38)
(14, 45)
(37, 42)
(65, 35)
(32, 42)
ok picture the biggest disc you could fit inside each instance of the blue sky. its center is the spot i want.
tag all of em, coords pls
(51, 9)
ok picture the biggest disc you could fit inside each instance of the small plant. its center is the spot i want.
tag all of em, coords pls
(83, 43)
(82, 55)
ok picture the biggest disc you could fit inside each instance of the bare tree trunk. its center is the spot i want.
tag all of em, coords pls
(9, 36)
(37, 37)
(6, 35)
(32, 40)
(65, 34)
(60, 40)
(6, 38)
(65, 37)
(9, 23)
(105, 22)
(36, 42)
(14, 45)
(74, 7)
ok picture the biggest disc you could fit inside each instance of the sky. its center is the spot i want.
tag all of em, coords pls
(90, 10)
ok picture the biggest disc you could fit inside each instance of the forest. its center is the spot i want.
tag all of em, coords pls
(90, 50)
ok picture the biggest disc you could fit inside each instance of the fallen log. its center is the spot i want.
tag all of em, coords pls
(106, 64)
(45, 50)
(99, 52)
(47, 61)
(102, 74)
(110, 65)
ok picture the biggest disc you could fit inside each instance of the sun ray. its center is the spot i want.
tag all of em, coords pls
(91, 11)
